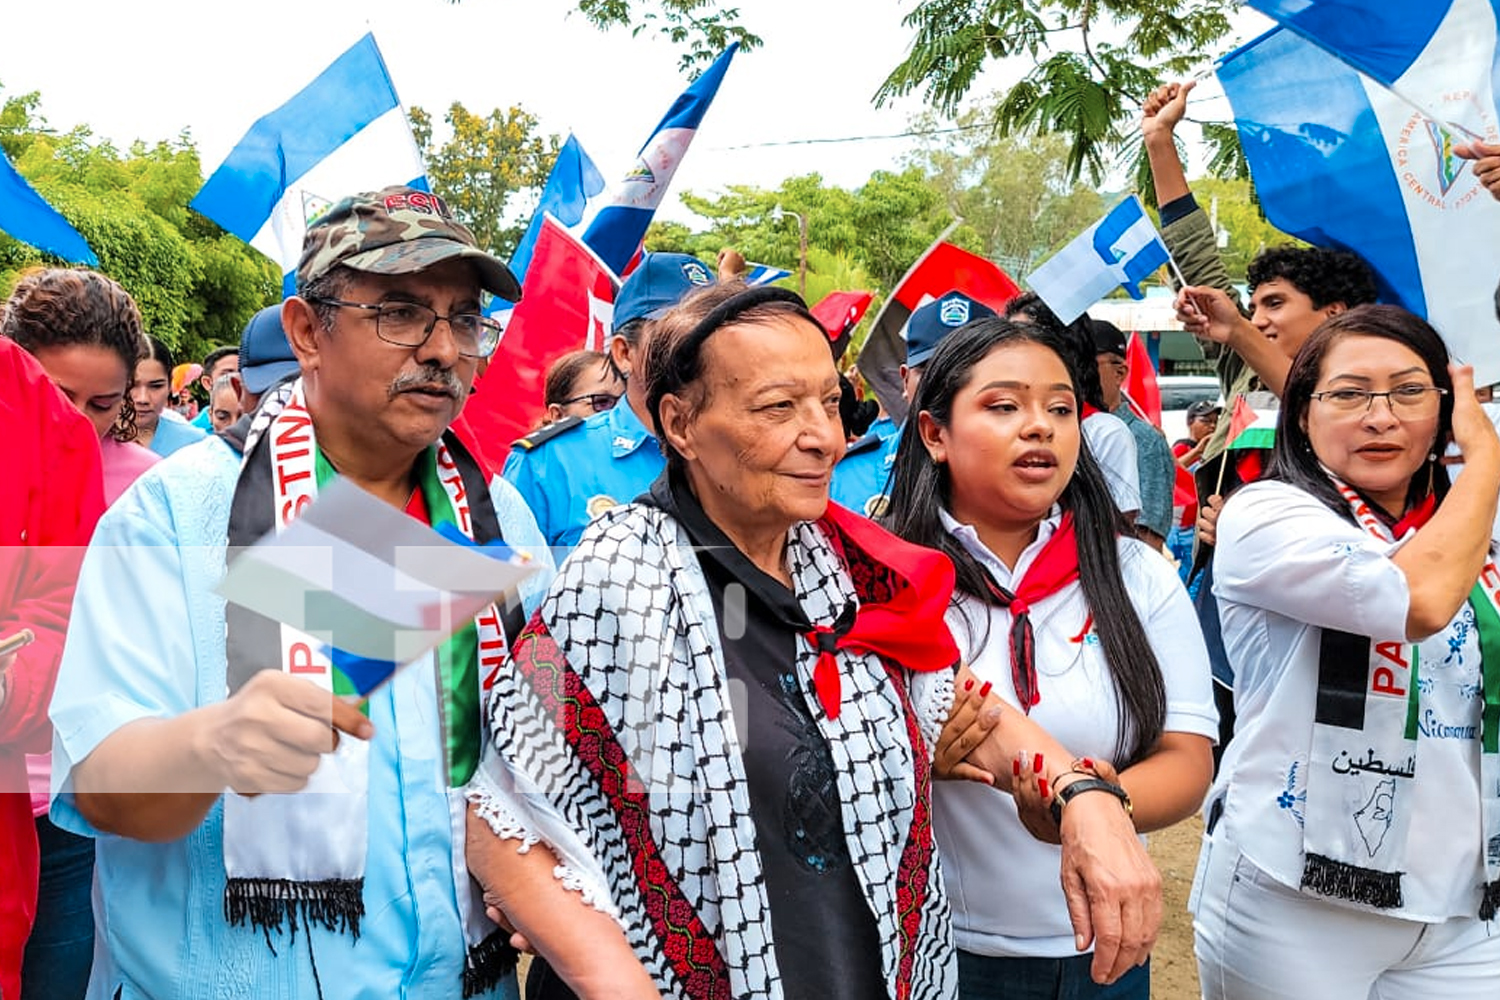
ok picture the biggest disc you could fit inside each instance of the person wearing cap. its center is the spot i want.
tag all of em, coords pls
(1202, 420)
(266, 357)
(571, 471)
(177, 716)
(1155, 468)
(861, 481)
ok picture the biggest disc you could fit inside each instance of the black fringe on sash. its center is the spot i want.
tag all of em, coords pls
(335, 904)
(1490, 902)
(1328, 877)
(490, 961)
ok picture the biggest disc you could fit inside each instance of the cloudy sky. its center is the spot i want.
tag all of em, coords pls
(148, 69)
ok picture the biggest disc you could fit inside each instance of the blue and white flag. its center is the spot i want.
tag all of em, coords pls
(342, 134)
(1341, 159)
(1119, 251)
(616, 231)
(763, 274)
(26, 216)
(574, 180)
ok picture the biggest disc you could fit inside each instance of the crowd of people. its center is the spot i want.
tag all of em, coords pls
(733, 738)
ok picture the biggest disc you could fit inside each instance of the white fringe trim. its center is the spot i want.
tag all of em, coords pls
(593, 894)
(932, 700)
(501, 821)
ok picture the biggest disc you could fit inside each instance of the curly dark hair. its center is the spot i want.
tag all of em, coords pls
(61, 307)
(1323, 275)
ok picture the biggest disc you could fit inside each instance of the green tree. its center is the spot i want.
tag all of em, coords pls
(485, 167)
(700, 27)
(195, 285)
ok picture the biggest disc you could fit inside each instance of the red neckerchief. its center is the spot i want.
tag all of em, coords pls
(1087, 411)
(1416, 517)
(907, 626)
(1054, 568)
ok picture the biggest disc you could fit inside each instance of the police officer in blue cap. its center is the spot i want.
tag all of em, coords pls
(861, 481)
(571, 471)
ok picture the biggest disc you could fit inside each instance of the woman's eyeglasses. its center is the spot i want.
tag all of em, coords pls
(598, 401)
(1413, 400)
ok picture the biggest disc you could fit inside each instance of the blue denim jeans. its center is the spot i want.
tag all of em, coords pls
(983, 978)
(61, 947)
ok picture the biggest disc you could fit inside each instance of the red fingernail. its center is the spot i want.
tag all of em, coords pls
(1036, 764)
(1089, 764)
(984, 690)
(969, 684)
(1015, 766)
(1041, 784)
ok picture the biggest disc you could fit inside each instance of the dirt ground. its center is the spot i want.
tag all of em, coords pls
(1174, 973)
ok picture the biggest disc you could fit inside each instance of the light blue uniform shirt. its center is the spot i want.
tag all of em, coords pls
(569, 479)
(147, 641)
(173, 433)
(861, 477)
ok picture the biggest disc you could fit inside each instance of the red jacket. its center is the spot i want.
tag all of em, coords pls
(51, 493)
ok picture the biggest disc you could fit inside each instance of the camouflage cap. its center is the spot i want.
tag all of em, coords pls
(396, 230)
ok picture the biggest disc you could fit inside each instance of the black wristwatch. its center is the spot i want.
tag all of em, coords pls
(1065, 794)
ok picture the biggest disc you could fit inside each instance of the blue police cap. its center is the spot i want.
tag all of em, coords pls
(934, 321)
(658, 283)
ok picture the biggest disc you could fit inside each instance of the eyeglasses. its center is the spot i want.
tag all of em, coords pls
(1410, 400)
(598, 401)
(409, 324)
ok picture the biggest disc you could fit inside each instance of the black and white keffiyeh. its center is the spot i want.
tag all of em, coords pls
(613, 742)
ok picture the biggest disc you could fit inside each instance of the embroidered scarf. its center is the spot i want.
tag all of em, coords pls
(300, 858)
(1364, 749)
(616, 715)
(1054, 568)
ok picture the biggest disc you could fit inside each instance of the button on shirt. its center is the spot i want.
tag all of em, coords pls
(990, 862)
(610, 459)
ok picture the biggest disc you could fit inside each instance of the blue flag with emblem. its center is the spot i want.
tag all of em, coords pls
(1348, 116)
(1119, 251)
(344, 133)
(26, 216)
(573, 182)
(617, 230)
(763, 274)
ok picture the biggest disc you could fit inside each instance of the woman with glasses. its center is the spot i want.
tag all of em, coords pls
(1082, 628)
(1353, 842)
(580, 384)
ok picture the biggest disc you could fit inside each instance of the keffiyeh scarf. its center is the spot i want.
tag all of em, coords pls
(300, 858)
(613, 740)
(1364, 749)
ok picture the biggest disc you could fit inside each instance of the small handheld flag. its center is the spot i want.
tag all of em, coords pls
(1119, 251)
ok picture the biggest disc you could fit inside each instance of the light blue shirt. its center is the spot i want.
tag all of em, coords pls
(147, 641)
(568, 480)
(172, 433)
(862, 478)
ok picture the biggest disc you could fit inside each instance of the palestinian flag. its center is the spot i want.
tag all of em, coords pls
(1248, 429)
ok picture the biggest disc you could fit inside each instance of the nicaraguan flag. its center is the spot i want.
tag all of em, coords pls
(1339, 158)
(574, 180)
(616, 232)
(763, 274)
(1119, 251)
(26, 216)
(344, 133)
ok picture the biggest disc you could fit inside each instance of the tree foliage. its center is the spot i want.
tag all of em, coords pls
(485, 167)
(699, 27)
(195, 285)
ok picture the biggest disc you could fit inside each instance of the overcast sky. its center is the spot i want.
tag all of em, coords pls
(147, 69)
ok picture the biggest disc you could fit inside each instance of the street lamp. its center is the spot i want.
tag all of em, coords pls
(777, 214)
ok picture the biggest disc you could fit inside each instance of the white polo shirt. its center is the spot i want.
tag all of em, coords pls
(1285, 568)
(1003, 884)
(1113, 448)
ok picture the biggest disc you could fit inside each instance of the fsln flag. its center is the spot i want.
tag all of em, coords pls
(763, 274)
(1339, 159)
(567, 304)
(1119, 251)
(840, 313)
(344, 133)
(26, 216)
(574, 180)
(943, 267)
(617, 230)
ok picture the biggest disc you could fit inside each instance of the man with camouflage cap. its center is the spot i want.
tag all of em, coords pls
(209, 884)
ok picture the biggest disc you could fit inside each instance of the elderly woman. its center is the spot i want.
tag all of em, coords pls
(1353, 845)
(719, 726)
